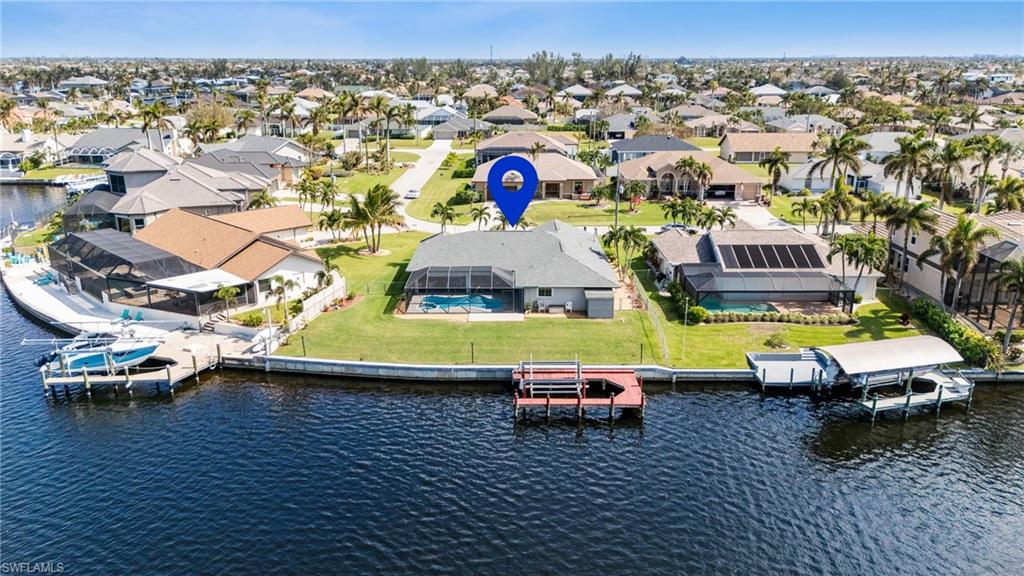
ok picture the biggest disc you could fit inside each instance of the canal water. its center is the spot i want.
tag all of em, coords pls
(246, 473)
(29, 204)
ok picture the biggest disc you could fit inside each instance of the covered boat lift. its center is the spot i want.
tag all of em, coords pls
(867, 365)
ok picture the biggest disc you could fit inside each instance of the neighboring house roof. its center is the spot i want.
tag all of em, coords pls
(461, 123)
(83, 81)
(646, 167)
(652, 143)
(681, 247)
(189, 185)
(767, 90)
(314, 93)
(140, 160)
(552, 255)
(254, 143)
(551, 167)
(114, 139)
(716, 120)
(481, 91)
(210, 243)
(509, 111)
(553, 142)
(819, 91)
(803, 121)
(625, 90)
(265, 220)
(883, 142)
(768, 141)
(687, 111)
(575, 90)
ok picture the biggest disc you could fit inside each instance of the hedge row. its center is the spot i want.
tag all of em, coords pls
(789, 317)
(463, 172)
(971, 344)
(564, 128)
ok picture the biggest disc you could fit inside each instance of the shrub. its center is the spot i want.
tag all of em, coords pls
(1014, 354)
(697, 315)
(463, 172)
(857, 298)
(295, 307)
(350, 160)
(975, 348)
(251, 319)
(1015, 337)
(564, 128)
(466, 195)
(777, 340)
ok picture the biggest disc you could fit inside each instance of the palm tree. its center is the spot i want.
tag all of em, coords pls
(946, 165)
(938, 118)
(804, 207)
(842, 153)
(153, 117)
(966, 240)
(318, 117)
(874, 206)
(613, 239)
(1009, 195)
(279, 289)
(775, 164)
(242, 119)
(1011, 279)
(838, 205)
(331, 220)
(345, 106)
(911, 161)
(392, 115)
(917, 217)
(444, 213)
(971, 115)
(725, 215)
(262, 199)
(227, 294)
(500, 223)
(6, 106)
(672, 209)
(988, 148)
(480, 215)
(633, 240)
(381, 206)
(939, 248)
(535, 149)
(870, 252)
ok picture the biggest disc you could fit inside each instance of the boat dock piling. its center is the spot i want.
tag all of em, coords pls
(568, 385)
(182, 365)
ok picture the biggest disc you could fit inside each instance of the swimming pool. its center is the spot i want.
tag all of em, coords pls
(715, 305)
(473, 302)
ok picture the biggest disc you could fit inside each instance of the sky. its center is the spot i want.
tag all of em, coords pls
(468, 29)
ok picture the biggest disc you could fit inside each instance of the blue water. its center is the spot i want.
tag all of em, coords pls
(713, 304)
(472, 302)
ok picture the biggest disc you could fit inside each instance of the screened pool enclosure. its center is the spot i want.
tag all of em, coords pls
(775, 286)
(461, 290)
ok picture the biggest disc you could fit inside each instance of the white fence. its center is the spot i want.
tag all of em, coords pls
(315, 304)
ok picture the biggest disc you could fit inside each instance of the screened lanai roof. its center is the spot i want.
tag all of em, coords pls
(778, 281)
(117, 254)
(461, 278)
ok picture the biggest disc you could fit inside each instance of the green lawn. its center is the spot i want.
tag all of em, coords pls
(396, 143)
(958, 206)
(586, 213)
(782, 208)
(359, 182)
(706, 142)
(35, 237)
(369, 331)
(398, 156)
(724, 345)
(50, 173)
(757, 171)
(440, 188)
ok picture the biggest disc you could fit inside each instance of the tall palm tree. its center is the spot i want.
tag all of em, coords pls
(500, 222)
(378, 106)
(917, 217)
(262, 199)
(775, 164)
(874, 206)
(987, 148)
(613, 239)
(392, 115)
(280, 287)
(444, 213)
(382, 205)
(1008, 195)
(946, 164)
(911, 161)
(938, 118)
(346, 105)
(867, 252)
(480, 215)
(243, 118)
(153, 116)
(725, 215)
(1011, 279)
(535, 149)
(966, 240)
(840, 154)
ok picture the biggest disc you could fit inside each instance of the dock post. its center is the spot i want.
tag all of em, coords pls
(195, 368)
(110, 363)
(874, 407)
(906, 409)
(791, 370)
(764, 379)
(169, 380)
(88, 386)
(63, 364)
(611, 408)
(643, 404)
(220, 357)
(970, 396)
(515, 405)
(547, 408)
(579, 407)
(42, 376)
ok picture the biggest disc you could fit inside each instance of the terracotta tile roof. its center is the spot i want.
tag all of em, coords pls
(254, 260)
(551, 167)
(643, 168)
(766, 142)
(265, 220)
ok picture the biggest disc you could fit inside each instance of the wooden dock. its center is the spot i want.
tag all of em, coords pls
(947, 389)
(569, 385)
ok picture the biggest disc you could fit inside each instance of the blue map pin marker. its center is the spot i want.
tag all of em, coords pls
(512, 203)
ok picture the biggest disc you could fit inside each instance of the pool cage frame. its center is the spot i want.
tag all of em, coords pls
(778, 286)
(453, 281)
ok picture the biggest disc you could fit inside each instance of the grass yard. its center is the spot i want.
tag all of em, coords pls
(359, 182)
(956, 207)
(586, 213)
(782, 208)
(724, 345)
(51, 173)
(705, 142)
(402, 143)
(398, 156)
(369, 331)
(440, 188)
(757, 171)
(35, 237)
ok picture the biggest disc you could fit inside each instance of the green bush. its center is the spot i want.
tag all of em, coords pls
(564, 128)
(971, 344)
(1015, 337)
(777, 340)
(295, 307)
(697, 315)
(464, 196)
(251, 319)
(463, 172)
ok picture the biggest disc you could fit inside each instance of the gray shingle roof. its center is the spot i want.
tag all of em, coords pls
(115, 139)
(553, 255)
(652, 143)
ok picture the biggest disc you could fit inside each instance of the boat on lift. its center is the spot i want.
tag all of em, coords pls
(99, 351)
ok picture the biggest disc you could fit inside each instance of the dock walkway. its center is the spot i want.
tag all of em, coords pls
(569, 385)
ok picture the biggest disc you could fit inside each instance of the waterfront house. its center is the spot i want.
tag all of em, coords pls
(772, 268)
(659, 174)
(559, 177)
(523, 143)
(272, 144)
(17, 147)
(280, 171)
(553, 267)
(509, 114)
(748, 147)
(640, 146)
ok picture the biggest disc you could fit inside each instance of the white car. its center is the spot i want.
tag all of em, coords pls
(412, 194)
(674, 226)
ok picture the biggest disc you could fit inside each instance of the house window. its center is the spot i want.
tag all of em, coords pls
(140, 223)
(117, 184)
(263, 286)
(913, 240)
(544, 292)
